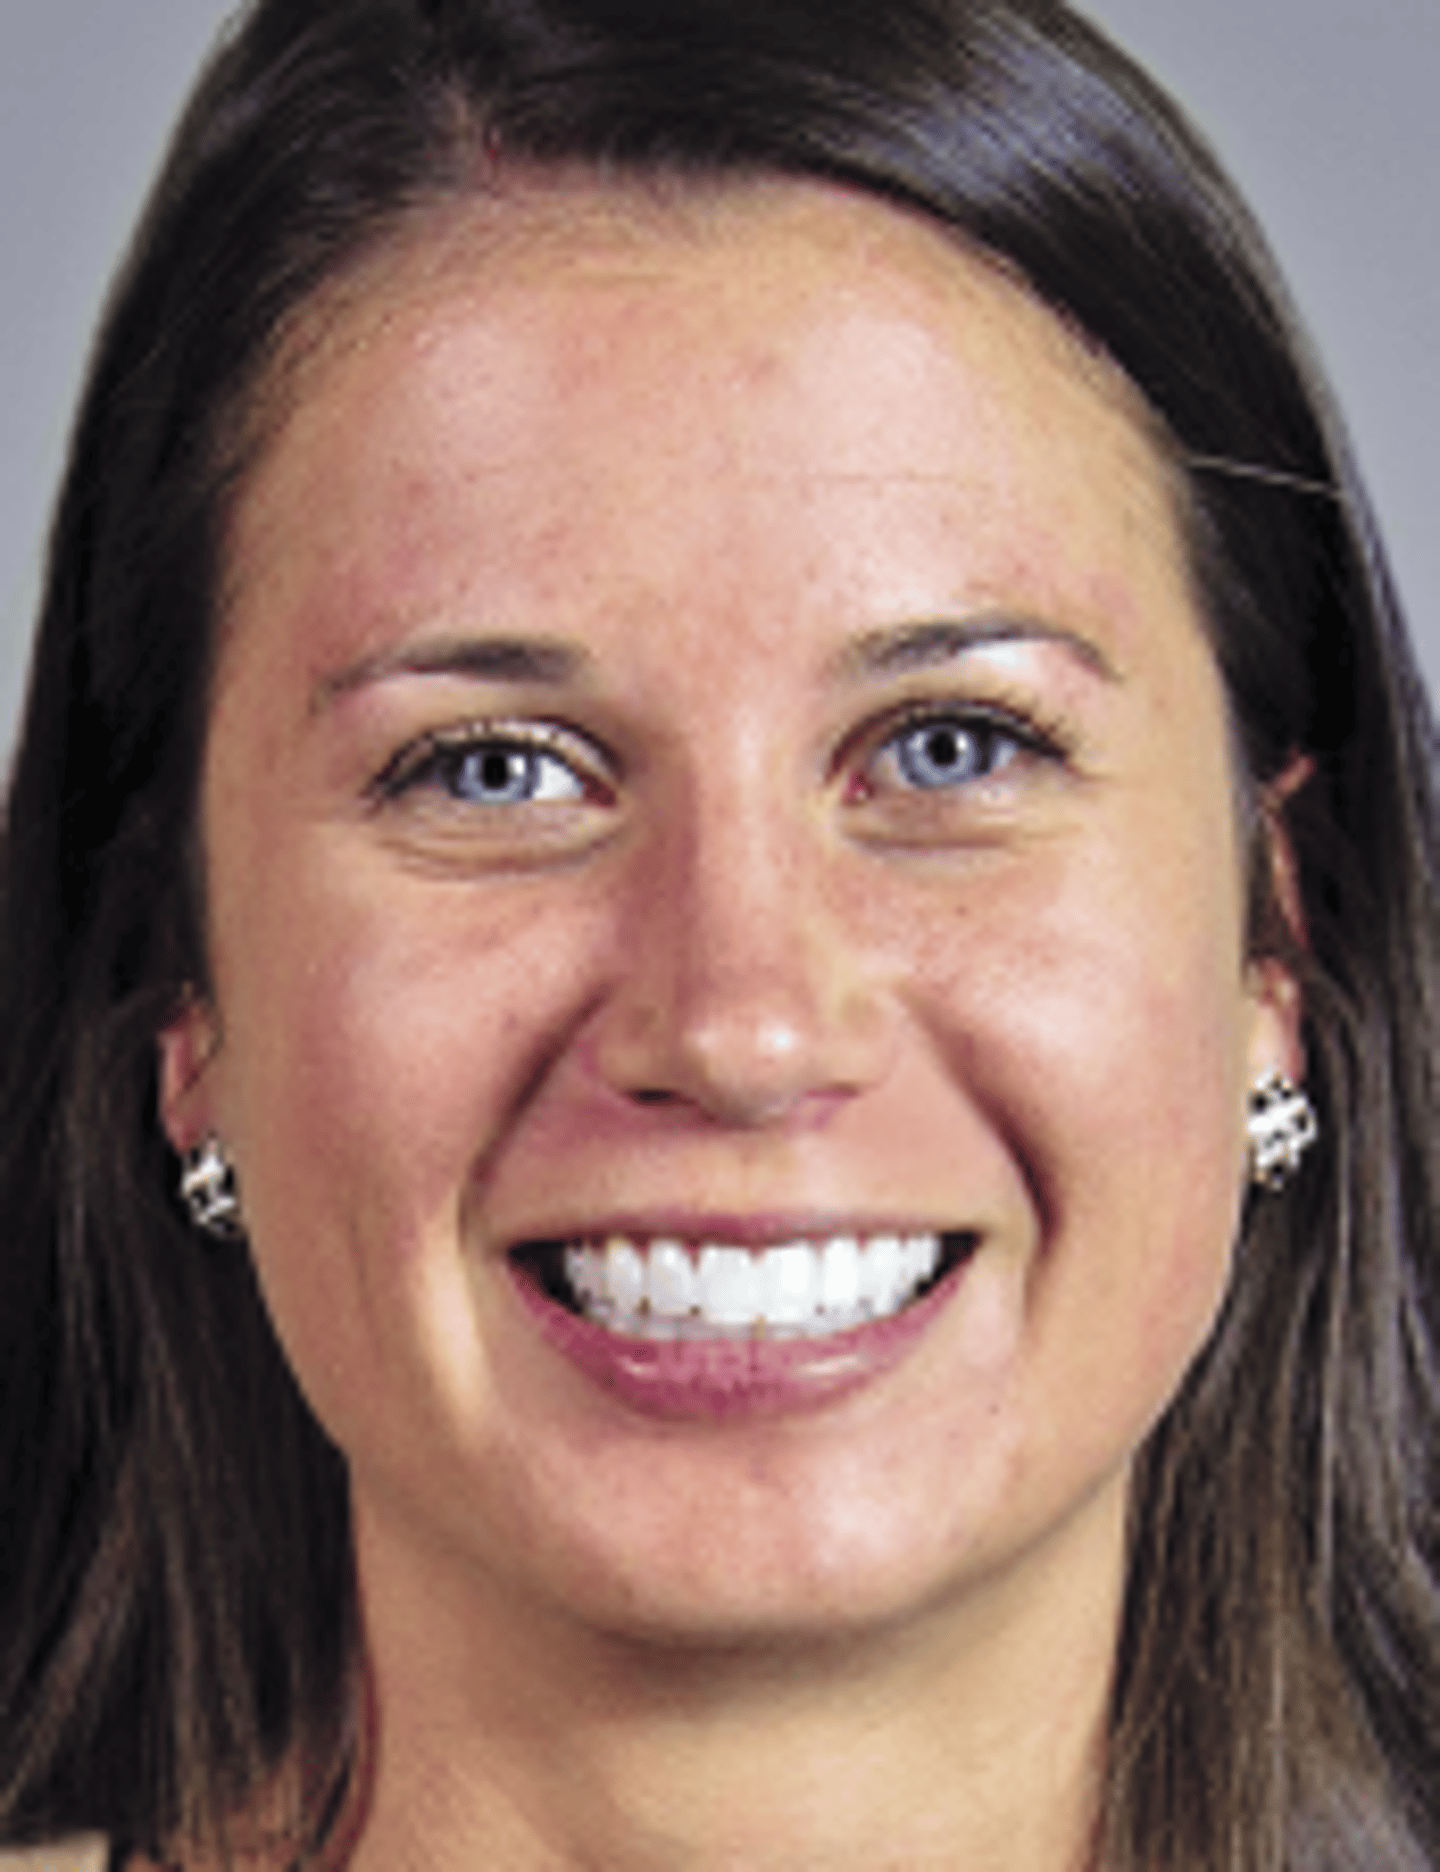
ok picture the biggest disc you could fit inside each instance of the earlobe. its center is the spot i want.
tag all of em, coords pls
(186, 1048)
(1276, 1045)
(1282, 936)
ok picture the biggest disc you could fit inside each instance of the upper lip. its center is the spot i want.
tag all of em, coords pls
(757, 1230)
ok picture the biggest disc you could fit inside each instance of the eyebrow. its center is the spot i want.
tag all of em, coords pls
(482, 659)
(924, 645)
(549, 662)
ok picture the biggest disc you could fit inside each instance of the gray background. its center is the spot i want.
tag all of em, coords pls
(1326, 110)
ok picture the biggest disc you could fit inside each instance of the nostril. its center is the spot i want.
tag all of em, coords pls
(740, 1050)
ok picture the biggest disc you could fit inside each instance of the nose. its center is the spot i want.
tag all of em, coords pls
(744, 993)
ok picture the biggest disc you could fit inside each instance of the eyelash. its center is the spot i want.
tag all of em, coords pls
(438, 758)
(985, 726)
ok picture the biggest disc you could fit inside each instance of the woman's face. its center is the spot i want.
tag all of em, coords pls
(713, 753)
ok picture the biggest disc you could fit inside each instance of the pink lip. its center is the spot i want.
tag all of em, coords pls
(725, 1378)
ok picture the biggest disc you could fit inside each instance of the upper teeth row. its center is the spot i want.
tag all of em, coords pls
(669, 1289)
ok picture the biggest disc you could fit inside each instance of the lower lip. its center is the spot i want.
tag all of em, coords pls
(725, 1378)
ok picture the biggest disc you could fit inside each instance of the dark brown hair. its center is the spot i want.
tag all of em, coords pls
(176, 1603)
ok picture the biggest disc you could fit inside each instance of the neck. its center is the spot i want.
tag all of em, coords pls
(971, 1737)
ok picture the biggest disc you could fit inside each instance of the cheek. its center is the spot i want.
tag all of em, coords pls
(357, 1018)
(379, 1042)
(1103, 1027)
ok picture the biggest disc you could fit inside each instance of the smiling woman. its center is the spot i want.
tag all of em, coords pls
(694, 894)
(716, 735)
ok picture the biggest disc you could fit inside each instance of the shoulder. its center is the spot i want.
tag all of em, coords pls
(85, 1854)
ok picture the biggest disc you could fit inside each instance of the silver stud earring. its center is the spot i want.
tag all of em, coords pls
(207, 1189)
(1281, 1127)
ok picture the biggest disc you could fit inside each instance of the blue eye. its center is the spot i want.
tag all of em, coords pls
(501, 773)
(477, 769)
(950, 750)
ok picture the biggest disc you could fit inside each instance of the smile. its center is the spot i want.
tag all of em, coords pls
(669, 1289)
(711, 1330)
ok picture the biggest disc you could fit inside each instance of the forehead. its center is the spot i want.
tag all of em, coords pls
(567, 355)
(671, 252)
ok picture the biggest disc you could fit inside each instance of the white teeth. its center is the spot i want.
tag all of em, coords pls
(840, 1275)
(664, 1289)
(729, 1286)
(788, 1285)
(624, 1276)
(880, 1272)
(671, 1286)
(920, 1255)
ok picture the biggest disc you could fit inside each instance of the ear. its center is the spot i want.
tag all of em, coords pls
(1276, 1042)
(1277, 1015)
(187, 1046)
(1284, 872)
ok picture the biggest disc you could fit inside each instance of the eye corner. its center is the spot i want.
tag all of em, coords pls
(856, 783)
(952, 747)
(494, 765)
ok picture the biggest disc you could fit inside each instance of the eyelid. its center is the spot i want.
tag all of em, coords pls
(406, 767)
(1034, 730)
